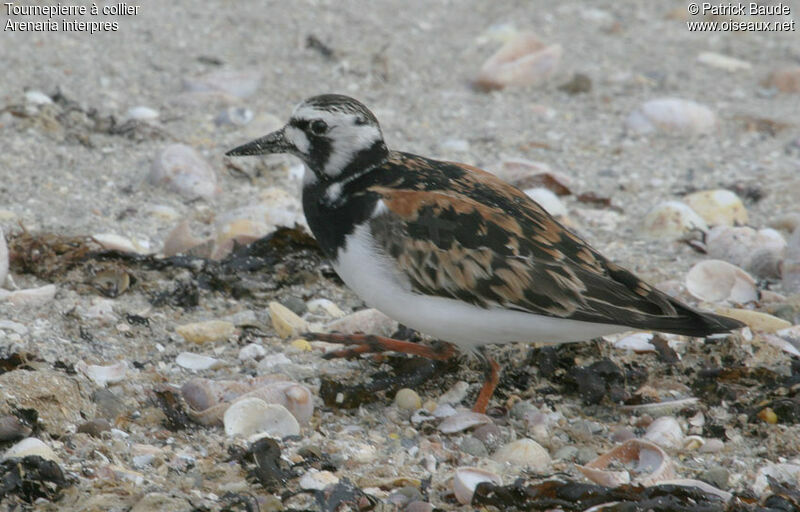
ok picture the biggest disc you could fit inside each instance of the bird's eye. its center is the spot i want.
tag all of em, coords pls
(318, 127)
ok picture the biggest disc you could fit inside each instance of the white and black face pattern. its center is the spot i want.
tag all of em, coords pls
(328, 132)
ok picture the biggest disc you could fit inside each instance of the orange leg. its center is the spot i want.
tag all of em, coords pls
(491, 377)
(366, 343)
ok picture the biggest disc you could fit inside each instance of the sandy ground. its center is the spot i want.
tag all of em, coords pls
(412, 63)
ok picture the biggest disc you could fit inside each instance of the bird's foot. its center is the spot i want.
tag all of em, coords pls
(366, 343)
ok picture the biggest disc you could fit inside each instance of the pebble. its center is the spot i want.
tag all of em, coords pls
(716, 476)
(38, 98)
(30, 297)
(547, 200)
(759, 251)
(407, 399)
(103, 375)
(568, 452)
(719, 281)
(324, 306)
(786, 79)
(234, 116)
(158, 501)
(585, 454)
(718, 207)
(115, 242)
(638, 342)
(208, 331)
(725, 62)
(141, 113)
(183, 170)
(755, 320)
(473, 446)
(466, 479)
(367, 320)
(791, 264)
(463, 420)
(252, 351)
(317, 480)
(253, 417)
(237, 83)
(285, 321)
(11, 428)
(30, 446)
(523, 60)
(524, 453)
(673, 115)
(181, 240)
(672, 219)
(455, 395)
(197, 362)
(95, 427)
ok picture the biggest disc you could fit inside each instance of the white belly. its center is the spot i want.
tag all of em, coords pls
(371, 275)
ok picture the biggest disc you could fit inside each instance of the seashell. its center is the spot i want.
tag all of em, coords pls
(229, 81)
(285, 322)
(181, 169)
(786, 79)
(367, 320)
(180, 240)
(787, 222)
(31, 296)
(547, 200)
(740, 245)
(317, 480)
(755, 320)
(455, 395)
(524, 174)
(638, 342)
(657, 409)
(103, 375)
(463, 420)
(707, 488)
(672, 115)
(720, 61)
(208, 331)
(665, 432)
(652, 465)
(3, 258)
(38, 98)
(324, 306)
(11, 428)
(253, 417)
(712, 445)
(141, 113)
(407, 399)
(237, 232)
(296, 398)
(672, 219)
(234, 116)
(719, 281)
(791, 264)
(782, 472)
(30, 446)
(523, 60)
(252, 351)
(114, 242)
(112, 281)
(466, 479)
(525, 453)
(718, 207)
(781, 343)
(197, 362)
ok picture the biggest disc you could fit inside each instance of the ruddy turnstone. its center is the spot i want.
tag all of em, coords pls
(453, 251)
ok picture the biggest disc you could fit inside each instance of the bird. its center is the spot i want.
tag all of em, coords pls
(453, 251)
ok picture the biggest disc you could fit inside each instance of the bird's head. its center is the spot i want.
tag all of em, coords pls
(333, 134)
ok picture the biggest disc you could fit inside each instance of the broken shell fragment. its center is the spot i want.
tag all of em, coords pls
(525, 453)
(30, 446)
(253, 417)
(285, 321)
(463, 420)
(30, 296)
(672, 219)
(672, 115)
(665, 431)
(181, 169)
(755, 320)
(750, 249)
(644, 462)
(208, 331)
(719, 207)
(719, 281)
(197, 362)
(466, 479)
(103, 375)
(523, 60)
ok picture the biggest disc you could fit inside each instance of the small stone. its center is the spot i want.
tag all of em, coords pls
(181, 169)
(208, 331)
(317, 480)
(95, 427)
(456, 394)
(716, 476)
(285, 322)
(725, 62)
(253, 417)
(523, 60)
(30, 297)
(38, 98)
(197, 362)
(718, 207)
(755, 320)
(157, 501)
(109, 405)
(324, 306)
(141, 113)
(368, 320)
(407, 399)
(473, 446)
(585, 454)
(672, 115)
(791, 264)
(672, 219)
(103, 375)
(301, 345)
(786, 79)
(252, 351)
(547, 200)
(12, 429)
(568, 452)
(525, 453)
(30, 446)
(234, 116)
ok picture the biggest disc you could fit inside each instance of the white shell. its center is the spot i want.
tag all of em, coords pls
(102, 375)
(719, 281)
(672, 219)
(31, 296)
(746, 247)
(718, 60)
(525, 453)
(30, 446)
(180, 240)
(657, 409)
(252, 351)
(285, 322)
(197, 362)
(3, 258)
(718, 207)
(665, 432)
(317, 480)
(672, 115)
(547, 200)
(38, 98)
(638, 342)
(466, 479)
(463, 420)
(252, 417)
(181, 169)
(707, 488)
(652, 465)
(783, 472)
(114, 242)
(367, 320)
(325, 306)
(523, 60)
(141, 113)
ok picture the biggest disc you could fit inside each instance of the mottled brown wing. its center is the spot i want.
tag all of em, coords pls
(483, 241)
